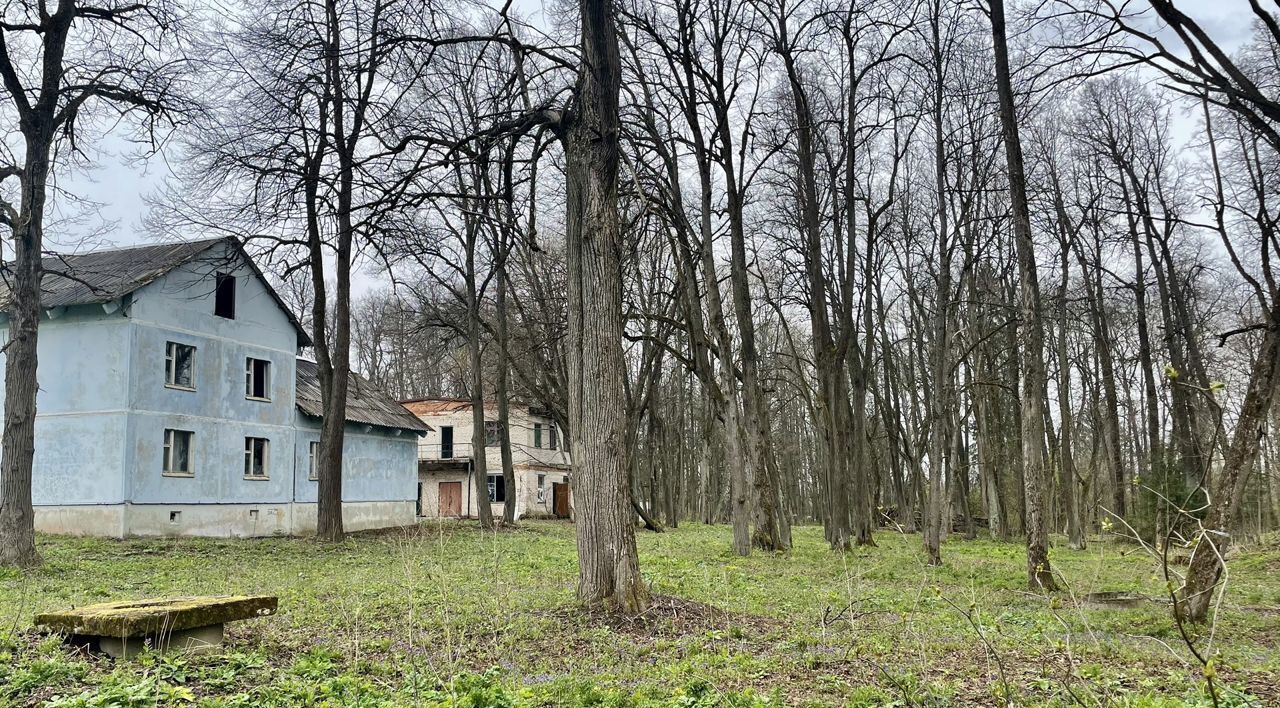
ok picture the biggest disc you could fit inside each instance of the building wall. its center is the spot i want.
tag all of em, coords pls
(103, 407)
(83, 422)
(179, 308)
(378, 465)
(522, 438)
(528, 461)
(527, 498)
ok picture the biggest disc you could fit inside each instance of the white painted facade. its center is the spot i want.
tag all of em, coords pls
(446, 457)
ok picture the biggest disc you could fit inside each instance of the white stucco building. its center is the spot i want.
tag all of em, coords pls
(446, 461)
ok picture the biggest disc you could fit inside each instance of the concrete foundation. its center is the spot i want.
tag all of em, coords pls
(214, 520)
(195, 640)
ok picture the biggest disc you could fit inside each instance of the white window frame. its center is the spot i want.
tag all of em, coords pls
(166, 455)
(313, 458)
(249, 445)
(171, 366)
(250, 379)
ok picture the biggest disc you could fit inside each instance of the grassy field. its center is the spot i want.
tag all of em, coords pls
(445, 615)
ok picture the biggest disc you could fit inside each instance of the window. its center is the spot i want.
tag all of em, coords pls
(179, 365)
(497, 488)
(542, 488)
(255, 458)
(177, 452)
(553, 437)
(446, 442)
(313, 456)
(537, 435)
(257, 379)
(224, 296)
(492, 433)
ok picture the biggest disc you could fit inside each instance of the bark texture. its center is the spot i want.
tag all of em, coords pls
(608, 563)
(1040, 575)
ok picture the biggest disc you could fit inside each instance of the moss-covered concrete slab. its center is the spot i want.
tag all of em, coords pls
(140, 618)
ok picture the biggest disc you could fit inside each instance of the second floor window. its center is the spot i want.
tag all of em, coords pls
(552, 437)
(179, 365)
(255, 458)
(177, 452)
(492, 433)
(537, 435)
(257, 379)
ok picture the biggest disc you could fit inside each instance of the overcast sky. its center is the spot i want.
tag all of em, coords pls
(120, 184)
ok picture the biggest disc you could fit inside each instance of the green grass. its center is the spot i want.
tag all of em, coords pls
(446, 615)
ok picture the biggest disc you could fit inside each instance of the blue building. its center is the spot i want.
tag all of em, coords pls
(172, 402)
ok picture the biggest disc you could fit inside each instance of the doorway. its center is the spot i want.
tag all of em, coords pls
(450, 499)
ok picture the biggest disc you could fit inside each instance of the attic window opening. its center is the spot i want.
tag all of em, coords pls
(224, 296)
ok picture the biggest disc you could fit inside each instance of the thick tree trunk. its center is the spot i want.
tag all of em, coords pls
(608, 563)
(17, 515)
(1211, 546)
(1040, 575)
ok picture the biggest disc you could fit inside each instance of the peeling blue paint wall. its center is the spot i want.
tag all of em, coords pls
(377, 464)
(103, 405)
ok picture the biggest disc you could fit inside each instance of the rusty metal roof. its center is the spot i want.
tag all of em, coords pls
(432, 406)
(366, 403)
(102, 276)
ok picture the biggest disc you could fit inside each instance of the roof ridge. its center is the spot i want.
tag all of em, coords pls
(136, 246)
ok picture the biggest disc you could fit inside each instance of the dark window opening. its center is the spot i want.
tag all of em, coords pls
(224, 296)
(554, 438)
(446, 442)
(537, 435)
(497, 488)
(493, 431)
(257, 379)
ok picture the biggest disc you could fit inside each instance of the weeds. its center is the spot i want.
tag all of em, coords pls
(447, 615)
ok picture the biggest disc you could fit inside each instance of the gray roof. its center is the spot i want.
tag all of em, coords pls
(103, 276)
(366, 403)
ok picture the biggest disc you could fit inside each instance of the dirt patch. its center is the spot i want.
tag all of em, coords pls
(669, 617)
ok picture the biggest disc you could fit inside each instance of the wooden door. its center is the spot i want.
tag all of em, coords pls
(560, 499)
(450, 499)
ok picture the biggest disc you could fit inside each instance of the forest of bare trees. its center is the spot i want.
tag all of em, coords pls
(932, 267)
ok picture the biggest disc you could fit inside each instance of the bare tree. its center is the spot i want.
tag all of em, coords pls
(63, 69)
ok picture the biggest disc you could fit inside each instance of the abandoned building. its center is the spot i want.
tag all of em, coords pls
(172, 402)
(447, 454)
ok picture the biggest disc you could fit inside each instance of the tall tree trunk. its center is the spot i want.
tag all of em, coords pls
(1040, 575)
(479, 446)
(1212, 545)
(17, 514)
(504, 405)
(608, 562)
